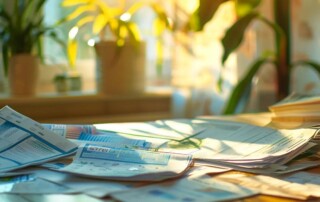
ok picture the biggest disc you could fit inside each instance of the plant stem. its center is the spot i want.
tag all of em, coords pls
(283, 47)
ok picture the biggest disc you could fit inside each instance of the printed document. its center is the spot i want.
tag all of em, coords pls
(76, 184)
(25, 142)
(71, 131)
(188, 189)
(126, 164)
(310, 180)
(268, 185)
(243, 144)
(80, 134)
(29, 184)
(162, 129)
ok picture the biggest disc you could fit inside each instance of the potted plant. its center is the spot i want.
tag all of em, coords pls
(280, 57)
(121, 60)
(69, 79)
(21, 30)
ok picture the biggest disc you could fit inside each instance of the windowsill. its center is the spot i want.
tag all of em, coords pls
(90, 107)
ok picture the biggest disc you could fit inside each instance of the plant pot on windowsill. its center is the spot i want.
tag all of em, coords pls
(23, 74)
(121, 70)
(67, 82)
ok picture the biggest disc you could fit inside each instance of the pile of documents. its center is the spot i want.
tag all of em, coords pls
(124, 160)
(297, 107)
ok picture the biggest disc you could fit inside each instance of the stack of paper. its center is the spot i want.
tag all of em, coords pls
(243, 145)
(122, 159)
(297, 107)
(25, 142)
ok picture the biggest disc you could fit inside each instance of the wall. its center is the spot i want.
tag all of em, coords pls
(305, 42)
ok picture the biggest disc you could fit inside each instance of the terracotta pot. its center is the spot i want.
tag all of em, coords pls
(23, 75)
(120, 70)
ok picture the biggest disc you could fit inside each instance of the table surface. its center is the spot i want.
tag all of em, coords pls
(261, 119)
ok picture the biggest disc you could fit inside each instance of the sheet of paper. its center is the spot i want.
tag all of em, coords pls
(12, 198)
(202, 170)
(60, 197)
(47, 198)
(242, 144)
(164, 129)
(126, 164)
(25, 142)
(116, 141)
(88, 133)
(91, 186)
(297, 99)
(187, 189)
(71, 131)
(11, 174)
(250, 142)
(268, 185)
(28, 184)
(310, 180)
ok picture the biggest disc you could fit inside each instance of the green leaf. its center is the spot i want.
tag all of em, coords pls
(235, 33)
(243, 7)
(53, 35)
(279, 33)
(312, 64)
(38, 7)
(4, 15)
(204, 13)
(5, 58)
(239, 97)
(27, 12)
(39, 45)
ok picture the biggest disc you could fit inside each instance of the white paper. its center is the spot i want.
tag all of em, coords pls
(202, 170)
(93, 187)
(12, 198)
(268, 185)
(310, 180)
(189, 189)
(270, 169)
(163, 129)
(126, 164)
(70, 130)
(60, 198)
(243, 144)
(25, 142)
(113, 141)
(29, 184)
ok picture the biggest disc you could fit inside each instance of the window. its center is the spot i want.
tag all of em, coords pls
(56, 59)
